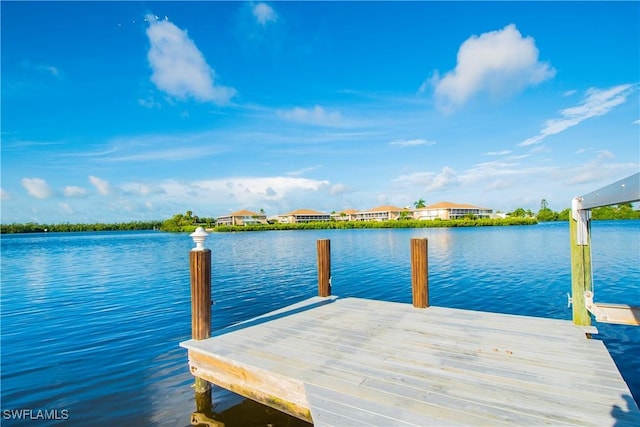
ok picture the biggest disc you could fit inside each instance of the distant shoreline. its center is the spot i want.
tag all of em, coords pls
(32, 228)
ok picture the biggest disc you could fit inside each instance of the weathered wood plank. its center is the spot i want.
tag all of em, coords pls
(437, 385)
(366, 362)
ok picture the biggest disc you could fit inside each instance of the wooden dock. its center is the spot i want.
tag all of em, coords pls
(355, 362)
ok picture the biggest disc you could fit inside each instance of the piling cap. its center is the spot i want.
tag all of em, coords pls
(199, 236)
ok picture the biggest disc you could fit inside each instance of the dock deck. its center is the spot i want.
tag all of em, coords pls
(356, 362)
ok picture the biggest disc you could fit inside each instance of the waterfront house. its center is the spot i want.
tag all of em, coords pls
(448, 210)
(345, 215)
(303, 215)
(382, 213)
(242, 217)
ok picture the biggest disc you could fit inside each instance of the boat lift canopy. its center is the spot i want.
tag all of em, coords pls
(623, 191)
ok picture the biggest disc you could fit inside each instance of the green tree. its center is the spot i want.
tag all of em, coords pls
(564, 214)
(518, 213)
(419, 204)
(546, 214)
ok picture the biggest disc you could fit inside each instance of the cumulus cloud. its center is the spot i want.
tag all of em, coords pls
(37, 187)
(432, 181)
(315, 116)
(103, 186)
(179, 68)
(596, 102)
(498, 62)
(74, 191)
(445, 179)
(264, 13)
(244, 191)
(339, 189)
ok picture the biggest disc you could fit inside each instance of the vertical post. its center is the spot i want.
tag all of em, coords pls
(419, 273)
(324, 267)
(580, 240)
(200, 268)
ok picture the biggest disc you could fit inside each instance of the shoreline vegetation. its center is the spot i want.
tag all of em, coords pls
(188, 222)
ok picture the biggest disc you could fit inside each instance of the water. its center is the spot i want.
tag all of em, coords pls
(91, 321)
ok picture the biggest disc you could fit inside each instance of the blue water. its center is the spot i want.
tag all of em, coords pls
(91, 321)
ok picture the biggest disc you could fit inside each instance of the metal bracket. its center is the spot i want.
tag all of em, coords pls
(569, 300)
(582, 216)
(612, 313)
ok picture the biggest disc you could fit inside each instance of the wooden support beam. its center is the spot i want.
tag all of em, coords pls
(200, 269)
(580, 267)
(419, 273)
(324, 267)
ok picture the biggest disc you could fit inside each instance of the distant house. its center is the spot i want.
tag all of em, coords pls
(303, 215)
(243, 217)
(448, 210)
(382, 213)
(345, 215)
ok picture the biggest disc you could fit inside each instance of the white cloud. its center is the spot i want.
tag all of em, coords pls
(49, 69)
(315, 116)
(600, 170)
(65, 207)
(339, 189)
(37, 187)
(596, 102)
(244, 191)
(432, 181)
(74, 191)
(179, 68)
(4, 195)
(148, 102)
(140, 189)
(302, 171)
(445, 179)
(498, 62)
(264, 13)
(411, 142)
(103, 186)
(497, 153)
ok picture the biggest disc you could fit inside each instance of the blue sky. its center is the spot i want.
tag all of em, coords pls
(122, 111)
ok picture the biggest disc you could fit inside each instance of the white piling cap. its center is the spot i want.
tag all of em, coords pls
(199, 236)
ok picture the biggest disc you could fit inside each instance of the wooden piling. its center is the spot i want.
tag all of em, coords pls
(419, 273)
(324, 267)
(200, 267)
(580, 273)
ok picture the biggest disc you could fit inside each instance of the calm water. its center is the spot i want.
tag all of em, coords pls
(91, 321)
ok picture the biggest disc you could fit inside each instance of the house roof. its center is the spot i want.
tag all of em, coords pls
(450, 205)
(348, 212)
(386, 208)
(304, 212)
(242, 212)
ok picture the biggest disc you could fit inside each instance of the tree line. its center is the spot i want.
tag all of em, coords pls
(621, 211)
(187, 222)
(33, 227)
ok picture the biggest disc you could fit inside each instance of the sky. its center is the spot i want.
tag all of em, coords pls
(132, 111)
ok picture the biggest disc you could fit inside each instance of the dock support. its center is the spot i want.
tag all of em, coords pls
(580, 240)
(324, 267)
(419, 273)
(200, 269)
